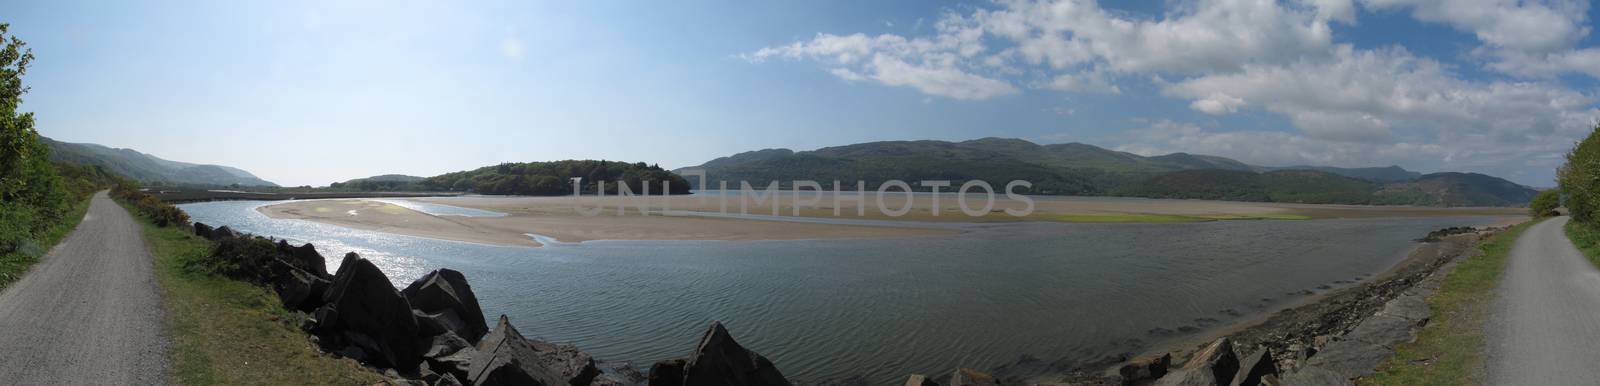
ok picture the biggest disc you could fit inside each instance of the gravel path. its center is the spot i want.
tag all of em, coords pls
(89, 312)
(1544, 328)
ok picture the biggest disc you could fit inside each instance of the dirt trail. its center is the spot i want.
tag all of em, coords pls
(1544, 327)
(89, 313)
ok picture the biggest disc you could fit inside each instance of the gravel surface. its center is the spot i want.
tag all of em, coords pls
(89, 312)
(1544, 327)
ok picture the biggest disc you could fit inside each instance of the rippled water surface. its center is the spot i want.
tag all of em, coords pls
(884, 308)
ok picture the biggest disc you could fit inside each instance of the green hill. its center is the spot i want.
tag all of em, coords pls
(1082, 169)
(146, 168)
(529, 179)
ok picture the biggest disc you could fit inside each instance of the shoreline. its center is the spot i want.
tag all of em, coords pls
(1294, 331)
(514, 229)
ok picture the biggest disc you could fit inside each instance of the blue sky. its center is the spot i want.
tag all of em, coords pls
(317, 92)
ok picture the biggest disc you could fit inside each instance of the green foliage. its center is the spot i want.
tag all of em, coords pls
(160, 212)
(31, 194)
(245, 258)
(1579, 178)
(1545, 203)
(533, 179)
(1299, 186)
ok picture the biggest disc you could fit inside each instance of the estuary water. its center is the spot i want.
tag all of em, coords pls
(885, 308)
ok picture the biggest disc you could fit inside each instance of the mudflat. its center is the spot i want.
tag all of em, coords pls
(567, 225)
(560, 217)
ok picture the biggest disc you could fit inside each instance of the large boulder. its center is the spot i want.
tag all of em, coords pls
(202, 230)
(719, 360)
(667, 373)
(304, 257)
(223, 232)
(449, 354)
(1145, 369)
(300, 290)
(505, 357)
(1257, 369)
(363, 310)
(445, 297)
(1216, 364)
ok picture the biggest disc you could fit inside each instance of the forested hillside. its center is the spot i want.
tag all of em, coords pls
(1081, 169)
(147, 168)
(532, 179)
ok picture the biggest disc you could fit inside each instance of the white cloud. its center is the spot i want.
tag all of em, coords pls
(1345, 105)
(1533, 38)
(1527, 25)
(1358, 96)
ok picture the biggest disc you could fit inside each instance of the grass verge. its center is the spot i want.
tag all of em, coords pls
(229, 332)
(1449, 351)
(1587, 238)
(16, 263)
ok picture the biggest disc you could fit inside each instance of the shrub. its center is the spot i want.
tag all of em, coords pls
(162, 213)
(1579, 178)
(1545, 203)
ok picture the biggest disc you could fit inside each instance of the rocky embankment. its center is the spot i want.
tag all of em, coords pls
(1332, 340)
(433, 332)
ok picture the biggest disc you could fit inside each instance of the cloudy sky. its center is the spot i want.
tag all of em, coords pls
(317, 92)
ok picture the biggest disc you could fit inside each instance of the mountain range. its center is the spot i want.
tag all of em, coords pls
(1082, 169)
(149, 169)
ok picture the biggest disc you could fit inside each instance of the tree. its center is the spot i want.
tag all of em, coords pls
(1545, 203)
(31, 193)
(1579, 178)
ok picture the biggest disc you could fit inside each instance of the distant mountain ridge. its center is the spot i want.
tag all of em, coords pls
(146, 168)
(1082, 169)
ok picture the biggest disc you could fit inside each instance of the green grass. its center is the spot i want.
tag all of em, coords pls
(1449, 351)
(1587, 238)
(230, 332)
(16, 263)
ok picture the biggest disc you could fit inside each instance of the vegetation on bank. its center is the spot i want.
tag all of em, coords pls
(1579, 184)
(1579, 179)
(40, 202)
(1545, 203)
(533, 179)
(226, 331)
(1449, 350)
(1585, 236)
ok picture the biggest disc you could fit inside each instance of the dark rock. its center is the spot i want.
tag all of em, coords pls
(306, 257)
(920, 380)
(667, 373)
(619, 375)
(1255, 367)
(445, 297)
(223, 232)
(1144, 369)
(446, 380)
(300, 290)
(719, 360)
(969, 377)
(506, 356)
(1217, 359)
(365, 311)
(202, 230)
